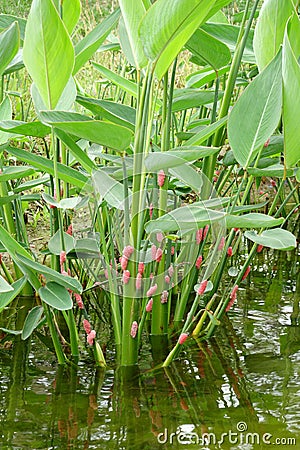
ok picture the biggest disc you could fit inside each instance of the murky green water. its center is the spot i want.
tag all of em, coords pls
(239, 391)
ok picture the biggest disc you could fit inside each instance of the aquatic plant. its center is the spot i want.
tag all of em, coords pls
(157, 205)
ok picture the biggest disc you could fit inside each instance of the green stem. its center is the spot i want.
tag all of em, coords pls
(57, 345)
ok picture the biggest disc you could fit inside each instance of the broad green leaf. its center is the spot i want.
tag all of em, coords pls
(203, 76)
(277, 238)
(250, 123)
(56, 296)
(7, 297)
(252, 220)
(208, 49)
(5, 114)
(9, 45)
(65, 102)
(36, 129)
(109, 189)
(8, 198)
(15, 64)
(16, 172)
(189, 176)
(5, 286)
(100, 132)
(177, 157)
(291, 91)
(27, 185)
(275, 147)
(65, 203)
(185, 218)
(228, 34)
(194, 217)
(55, 245)
(52, 275)
(6, 20)
(76, 151)
(69, 11)
(31, 322)
(48, 52)
(269, 30)
(43, 164)
(167, 26)
(191, 98)
(208, 131)
(85, 48)
(115, 112)
(125, 43)
(276, 170)
(128, 86)
(11, 245)
(133, 12)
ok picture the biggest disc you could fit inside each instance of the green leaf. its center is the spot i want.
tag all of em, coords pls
(6, 20)
(167, 26)
(7, 297)
(115, 112)
(55, 245)
(9, 45)
(277, 238)
(31, 322)
(203, 76)
(36, 129)
(15, 172)
(252, 220)
(109, 189)
(5, 286)
(52, 275)
(275, 147)
(66, 173)
(11, 245)
(65, 203)
(191, 98)
(65, 102)
(208, 49)
(69, 11)
(208, 131)
(56, 296)
(269, 30)
(76, 151)
(100, 132)
(92, 41)
(133, 12)
(276, 170)
(185, 218)
(5, 114)
(48, 52)
(291, 91)
(15, 64)
(194, 217)
(189, 176)
(177, 157)
(251, 124)
(128, 86)
(228, 34)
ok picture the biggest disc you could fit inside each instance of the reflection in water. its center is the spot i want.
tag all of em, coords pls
(246, 377)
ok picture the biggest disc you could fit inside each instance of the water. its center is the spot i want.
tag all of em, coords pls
(239, 391)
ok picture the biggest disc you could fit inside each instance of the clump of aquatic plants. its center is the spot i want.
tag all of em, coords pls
(145, 200)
